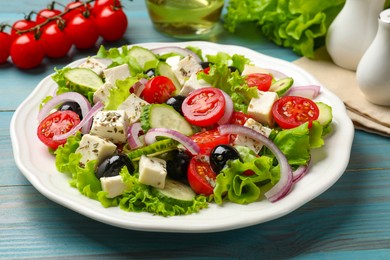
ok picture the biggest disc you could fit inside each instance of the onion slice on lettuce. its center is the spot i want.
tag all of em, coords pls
(178, 50)
(133, 135)
(85, 106)
(87, 119)
(284, 185)
(191, 146)
(309, 91)
(138, 87)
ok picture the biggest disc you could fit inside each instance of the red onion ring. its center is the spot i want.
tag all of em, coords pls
(299, 173)
(309, 91)
(177, 50)
(229, 109)
(284, 185)
(85, 106)
(276, 73)
(187, 142)
(138, 87)
(86, 119)
(133, 135)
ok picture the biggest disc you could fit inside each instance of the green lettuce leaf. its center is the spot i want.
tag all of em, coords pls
(300, 24)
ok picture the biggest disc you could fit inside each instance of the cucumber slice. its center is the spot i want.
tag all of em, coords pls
(144, 57)
(83, 80)
(281, 86)
(163, 115)
(153, 149)
(175, 193)
(325, 117)
(164, 69)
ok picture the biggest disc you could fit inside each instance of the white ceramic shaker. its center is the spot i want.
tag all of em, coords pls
(352, 31)
(373, 72)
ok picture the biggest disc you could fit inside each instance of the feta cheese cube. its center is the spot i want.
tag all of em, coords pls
(133, 107)
(173, 61)
(250, 69)
(120, 72)
(152, 171)
(94, 148)
(96, 64)
(186, 67)
(249, 142)
(260, 108)
(111, 124)
(193, 83)
(102, 93)
(114, 186)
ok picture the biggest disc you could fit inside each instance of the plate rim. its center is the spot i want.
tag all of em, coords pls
(347, 127)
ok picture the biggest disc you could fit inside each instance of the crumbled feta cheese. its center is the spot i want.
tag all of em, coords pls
(250, 69)
(186, 67)
(96, 64)
(120, 72)
(193, 83)
(248, 142)
(260, 108)
(152, 171)
(102, 93)
(94, 148)
(111, 124)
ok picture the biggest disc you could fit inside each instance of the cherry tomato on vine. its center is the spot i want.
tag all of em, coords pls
(204, 107)
(111, 22)
(5, 46)
(59, 122)
(55, 41)
(75, 8)
(99, 4)
(200, 176)
(22, 25)
(292, 111)
(260, 80)
(158, 89)
(82, 31)
(44, 14)
(207, 140)
(26, 51)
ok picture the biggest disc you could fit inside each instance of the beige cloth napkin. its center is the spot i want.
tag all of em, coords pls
(365, 115)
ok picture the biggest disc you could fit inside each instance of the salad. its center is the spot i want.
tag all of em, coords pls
(170, 130)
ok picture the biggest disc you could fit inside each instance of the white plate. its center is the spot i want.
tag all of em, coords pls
(328, 163)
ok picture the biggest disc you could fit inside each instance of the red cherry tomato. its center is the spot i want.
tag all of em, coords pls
(75, 8)
(5, 46)
(204, 107)
(56, 43)
(200, 176)
(59, 122)
(158, 89)
(44, 14)
(99, 4)
(26, 51)
(260, 80)
(207, 140)
(239, 118)
(111, 23)
(82, 31)
(22, 25)
(292, 111)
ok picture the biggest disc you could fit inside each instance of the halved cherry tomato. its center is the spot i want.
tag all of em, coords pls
(204, 107)
(59, 122)
(292, 111)
(260, 80)
(158, 89)
(207, 140)
(239, 118)
(200, 176)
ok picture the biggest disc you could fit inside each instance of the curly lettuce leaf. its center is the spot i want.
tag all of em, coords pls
(300, 25)
(119, 93)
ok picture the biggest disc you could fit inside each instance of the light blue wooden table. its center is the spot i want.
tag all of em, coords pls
(351, 220)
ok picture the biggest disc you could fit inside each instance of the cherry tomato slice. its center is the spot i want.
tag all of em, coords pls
(200, 176)
(59, 122)
(158, 89)
(239, 118)
(204, 107)
(260, 80)
(292, 111)
(207, 140)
